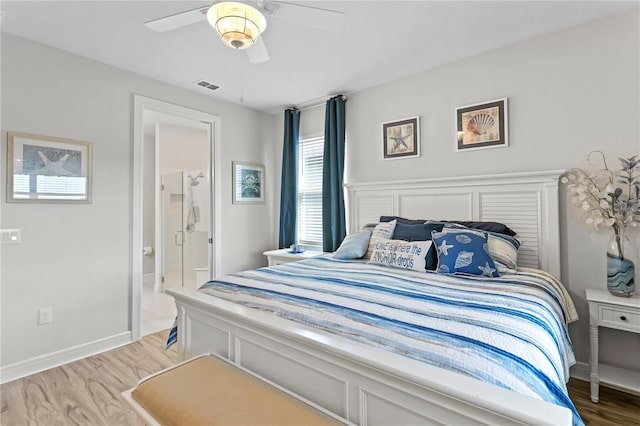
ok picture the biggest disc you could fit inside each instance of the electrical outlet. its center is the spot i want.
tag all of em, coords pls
(45, 316)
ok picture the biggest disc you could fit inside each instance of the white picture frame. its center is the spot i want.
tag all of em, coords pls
(248, 183)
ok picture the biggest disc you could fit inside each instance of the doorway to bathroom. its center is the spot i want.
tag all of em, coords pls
(174, 153)
(180, 235)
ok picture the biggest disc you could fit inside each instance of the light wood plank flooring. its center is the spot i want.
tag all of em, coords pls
(87, 392)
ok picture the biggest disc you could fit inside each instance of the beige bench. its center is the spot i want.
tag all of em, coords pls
(210, 391)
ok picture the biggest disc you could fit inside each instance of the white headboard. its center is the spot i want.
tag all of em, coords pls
(526, 202)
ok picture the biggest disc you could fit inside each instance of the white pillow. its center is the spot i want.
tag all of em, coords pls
(409, 255)
(382, 231)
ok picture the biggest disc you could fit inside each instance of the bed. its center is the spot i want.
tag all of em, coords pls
(383, 348)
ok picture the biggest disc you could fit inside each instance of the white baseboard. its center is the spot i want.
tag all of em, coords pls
(55, 359)
(149, 279)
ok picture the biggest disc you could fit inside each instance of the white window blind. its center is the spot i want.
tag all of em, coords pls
(310, 154)
(63, 187)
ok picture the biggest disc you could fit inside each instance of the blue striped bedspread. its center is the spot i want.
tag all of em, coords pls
(509, 331)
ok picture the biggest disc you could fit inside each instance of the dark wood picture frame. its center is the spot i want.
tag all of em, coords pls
(482, 125)
(401, 138)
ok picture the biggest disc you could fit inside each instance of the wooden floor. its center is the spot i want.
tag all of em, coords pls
(87, 392)
(614, 408)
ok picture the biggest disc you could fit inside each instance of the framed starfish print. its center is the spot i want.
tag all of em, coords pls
(44, 169)
(401, 138)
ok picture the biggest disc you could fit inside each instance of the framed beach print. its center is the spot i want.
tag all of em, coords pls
(45, 169)
(248, 183)
(483, 125)
(401, 138)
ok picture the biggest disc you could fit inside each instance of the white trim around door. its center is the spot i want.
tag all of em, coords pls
(142, 104)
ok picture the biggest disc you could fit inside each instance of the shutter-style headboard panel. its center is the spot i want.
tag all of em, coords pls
(526, 202)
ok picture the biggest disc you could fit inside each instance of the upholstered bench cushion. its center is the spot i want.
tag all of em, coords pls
(209, 391)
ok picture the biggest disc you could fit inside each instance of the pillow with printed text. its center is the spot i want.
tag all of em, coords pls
(400, 254)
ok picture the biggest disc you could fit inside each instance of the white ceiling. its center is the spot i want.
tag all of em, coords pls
(381, 41)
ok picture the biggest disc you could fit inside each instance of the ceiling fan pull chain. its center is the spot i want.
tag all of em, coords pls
(241, 77)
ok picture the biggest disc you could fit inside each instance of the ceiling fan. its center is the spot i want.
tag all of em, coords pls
(251, 21)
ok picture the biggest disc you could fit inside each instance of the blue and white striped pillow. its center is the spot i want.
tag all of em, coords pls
(384, 231)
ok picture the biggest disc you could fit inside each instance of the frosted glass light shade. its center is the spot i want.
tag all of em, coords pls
(238, 24)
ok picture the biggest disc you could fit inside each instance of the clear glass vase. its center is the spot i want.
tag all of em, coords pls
(620, 266)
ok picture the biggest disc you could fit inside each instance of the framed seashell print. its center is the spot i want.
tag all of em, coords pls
(483, 125)
(401, 138)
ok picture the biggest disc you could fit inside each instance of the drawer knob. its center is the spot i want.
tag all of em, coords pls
(623, 318)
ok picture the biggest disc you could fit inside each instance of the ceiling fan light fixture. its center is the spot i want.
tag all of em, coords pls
(238, 24)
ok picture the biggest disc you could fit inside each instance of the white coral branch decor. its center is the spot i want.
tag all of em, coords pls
(607, 197)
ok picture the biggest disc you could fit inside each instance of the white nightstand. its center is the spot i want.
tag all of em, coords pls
(276, 257)
(622, 313)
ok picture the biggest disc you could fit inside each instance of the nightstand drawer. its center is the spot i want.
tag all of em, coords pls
(617, 317)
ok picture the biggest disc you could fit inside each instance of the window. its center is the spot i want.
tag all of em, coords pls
(310, 154)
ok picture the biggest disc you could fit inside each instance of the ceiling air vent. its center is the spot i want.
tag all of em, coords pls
(206, 84)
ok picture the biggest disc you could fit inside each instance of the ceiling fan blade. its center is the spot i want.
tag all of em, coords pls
(178, 20)
(258, 52)
(314, 17)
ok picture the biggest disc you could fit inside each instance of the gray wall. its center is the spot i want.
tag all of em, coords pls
(569, 93)
(76, 258)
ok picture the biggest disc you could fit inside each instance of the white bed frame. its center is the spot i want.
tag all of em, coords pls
(367, 385)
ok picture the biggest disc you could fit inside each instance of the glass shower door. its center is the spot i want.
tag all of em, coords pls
(195, 251)
(185, 228)
(172, 230)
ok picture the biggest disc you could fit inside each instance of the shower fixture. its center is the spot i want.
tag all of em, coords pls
(193, 215)
(195, 180)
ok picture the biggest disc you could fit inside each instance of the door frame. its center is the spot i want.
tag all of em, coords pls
(142, 104)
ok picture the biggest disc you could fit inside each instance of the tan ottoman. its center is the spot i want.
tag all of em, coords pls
(211, 391)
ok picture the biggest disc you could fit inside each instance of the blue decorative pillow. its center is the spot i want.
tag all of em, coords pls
(402, 220)
(503, 249)
(354, 246)
(463, 252)
(418, 232)
(497, 227)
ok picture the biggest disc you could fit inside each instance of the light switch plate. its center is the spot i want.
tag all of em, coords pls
(10, 236)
